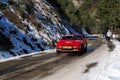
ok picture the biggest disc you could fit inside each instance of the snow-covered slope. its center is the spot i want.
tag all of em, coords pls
(29, 26)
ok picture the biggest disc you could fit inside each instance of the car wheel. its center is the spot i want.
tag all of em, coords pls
(58, 53)
(85, 48)
(82, 50)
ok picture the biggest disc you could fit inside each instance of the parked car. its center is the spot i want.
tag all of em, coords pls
(72, 43)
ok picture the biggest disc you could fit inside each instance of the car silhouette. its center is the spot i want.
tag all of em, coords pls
(74, 43)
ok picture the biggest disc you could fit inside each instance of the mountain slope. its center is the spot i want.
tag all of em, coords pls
(28, 26)
(94, 15)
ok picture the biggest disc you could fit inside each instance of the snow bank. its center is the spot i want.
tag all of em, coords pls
(112, 69)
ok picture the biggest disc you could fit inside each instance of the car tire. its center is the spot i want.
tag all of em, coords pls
(82, 50)
(85, 48)
(58, 53)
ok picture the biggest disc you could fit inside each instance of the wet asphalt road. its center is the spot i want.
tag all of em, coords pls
(41, 65)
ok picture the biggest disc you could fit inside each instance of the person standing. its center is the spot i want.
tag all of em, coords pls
(104, 36)
(108, 35)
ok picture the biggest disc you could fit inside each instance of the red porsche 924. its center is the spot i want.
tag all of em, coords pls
(72, 43)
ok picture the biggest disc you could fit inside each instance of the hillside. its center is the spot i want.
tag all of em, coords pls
(28, 26)
(94, 15)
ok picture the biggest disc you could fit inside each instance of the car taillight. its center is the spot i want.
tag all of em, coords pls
(76, 46)
(59, 46)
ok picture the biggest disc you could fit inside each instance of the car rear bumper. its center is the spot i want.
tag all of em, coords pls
(67, 51)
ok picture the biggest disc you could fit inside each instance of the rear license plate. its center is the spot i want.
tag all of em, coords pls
(67, 47)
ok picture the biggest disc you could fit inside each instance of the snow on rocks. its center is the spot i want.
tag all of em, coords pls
(28, 37)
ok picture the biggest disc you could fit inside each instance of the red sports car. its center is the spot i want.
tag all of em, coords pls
(71, 43)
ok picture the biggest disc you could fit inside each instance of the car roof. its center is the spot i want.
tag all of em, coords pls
(74, 35)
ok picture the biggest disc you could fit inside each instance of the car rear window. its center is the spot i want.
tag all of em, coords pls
(72, 38)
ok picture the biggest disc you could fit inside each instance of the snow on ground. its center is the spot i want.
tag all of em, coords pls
(2, 59)
(112, 69)
(99, 65)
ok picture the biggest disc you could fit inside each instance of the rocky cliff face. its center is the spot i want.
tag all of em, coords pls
(28, 26)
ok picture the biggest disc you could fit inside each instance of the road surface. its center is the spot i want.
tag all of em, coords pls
(81, 69)
(43, 66)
